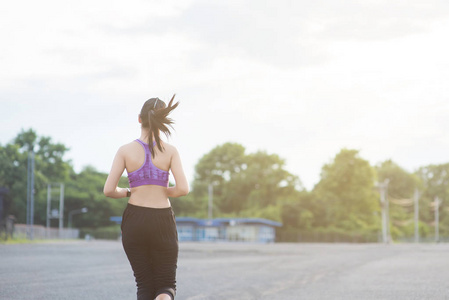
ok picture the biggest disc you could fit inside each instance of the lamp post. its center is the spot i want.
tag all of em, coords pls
(383, 187)
(437, 219)
(30, 193)
(74, 212)
(416, 199)
(210, 202)
(3, 191)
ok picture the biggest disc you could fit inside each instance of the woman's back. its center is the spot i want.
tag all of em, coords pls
(136, 156)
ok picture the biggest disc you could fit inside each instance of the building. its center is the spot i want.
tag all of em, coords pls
(224, 229)
(227, 229)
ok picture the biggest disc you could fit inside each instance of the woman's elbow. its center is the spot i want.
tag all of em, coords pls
(107, 192)
(184, 190)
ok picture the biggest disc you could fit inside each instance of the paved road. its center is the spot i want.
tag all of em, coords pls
(100, 270)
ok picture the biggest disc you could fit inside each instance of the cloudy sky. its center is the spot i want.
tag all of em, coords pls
(302, 79)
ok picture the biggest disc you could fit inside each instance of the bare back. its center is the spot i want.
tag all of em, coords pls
(148, 195)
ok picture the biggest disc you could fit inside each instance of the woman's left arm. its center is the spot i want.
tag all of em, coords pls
(111, 188)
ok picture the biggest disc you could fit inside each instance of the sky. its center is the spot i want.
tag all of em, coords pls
(301, 79)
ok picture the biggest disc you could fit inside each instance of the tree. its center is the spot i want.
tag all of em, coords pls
(220, 164)
(189, 206)
(13, 176)
(245, 185)
(297, 214)
(402, 184)
(219, 168)
(49, 166)
(267, 179)
(86, 190)
(345, 197)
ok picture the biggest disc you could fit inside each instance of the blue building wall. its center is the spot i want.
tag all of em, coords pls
(224, 229)
(229, 229)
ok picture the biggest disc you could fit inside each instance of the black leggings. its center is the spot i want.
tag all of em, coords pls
(150, 241)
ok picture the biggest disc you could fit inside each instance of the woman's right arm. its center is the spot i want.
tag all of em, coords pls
(181, 187)
(118, 166)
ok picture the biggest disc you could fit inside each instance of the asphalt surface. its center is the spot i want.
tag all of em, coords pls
(100, 270)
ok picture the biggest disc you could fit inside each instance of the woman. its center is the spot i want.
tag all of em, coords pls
(149, 234)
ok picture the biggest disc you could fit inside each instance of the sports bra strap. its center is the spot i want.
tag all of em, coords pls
(145, 144)
(148, 173)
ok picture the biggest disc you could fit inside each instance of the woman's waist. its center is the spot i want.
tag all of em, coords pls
(136, 207)
(149, 190)
(155, 201)
(149, 196)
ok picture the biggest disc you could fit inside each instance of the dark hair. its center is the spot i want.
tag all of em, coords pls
(154, 114)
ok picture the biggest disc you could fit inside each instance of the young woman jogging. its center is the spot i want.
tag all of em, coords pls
(149, 233)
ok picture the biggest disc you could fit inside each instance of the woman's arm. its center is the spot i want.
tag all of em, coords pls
(181, 187)
(118, 166)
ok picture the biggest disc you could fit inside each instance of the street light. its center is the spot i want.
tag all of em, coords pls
(210, 202)
(383, 187)
(74, 212)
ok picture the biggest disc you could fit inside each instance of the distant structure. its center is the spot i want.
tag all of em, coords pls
(227, 229)
(224, 229)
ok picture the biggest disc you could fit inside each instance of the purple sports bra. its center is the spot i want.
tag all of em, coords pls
(148, 173)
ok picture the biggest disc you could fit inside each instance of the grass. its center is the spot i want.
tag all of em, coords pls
(23, 240)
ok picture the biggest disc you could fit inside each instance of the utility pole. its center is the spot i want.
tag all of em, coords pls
(48, 206)
(383, 186)
(30, 194)
(416, 198)
(211, 203)
(54, 213)
(61, 210)
(387, 206)
(3, 191)
(437, 220)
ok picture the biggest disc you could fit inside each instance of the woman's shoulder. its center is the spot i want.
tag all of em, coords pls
(129, 146)
(169, 148)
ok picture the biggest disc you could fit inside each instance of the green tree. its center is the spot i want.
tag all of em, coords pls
(265, 186)
(86, 190)
(13, 176)
(402, 184)
(219, 168)
(345, 196)
(81, 190)
(189, 206)
(244, 185)
(49, 166)
(267, 180)
(298, 214)
(51, 161)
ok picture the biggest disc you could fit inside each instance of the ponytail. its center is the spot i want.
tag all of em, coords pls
(154, 115)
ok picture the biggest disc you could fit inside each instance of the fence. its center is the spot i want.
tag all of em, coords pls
(42, 232)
